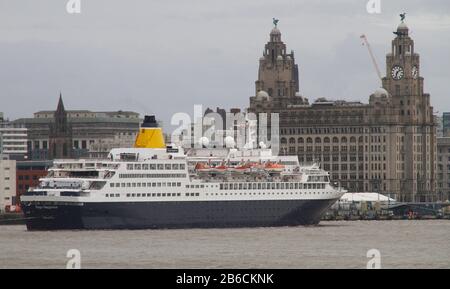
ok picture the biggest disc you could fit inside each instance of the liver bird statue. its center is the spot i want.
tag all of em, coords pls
(275, 21)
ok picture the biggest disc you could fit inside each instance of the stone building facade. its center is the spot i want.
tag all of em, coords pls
(7, 182)
(387, 145)
(87, 133)
(443, 168)
(278, 73)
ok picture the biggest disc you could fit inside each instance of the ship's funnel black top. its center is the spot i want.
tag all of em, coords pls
(149, 121)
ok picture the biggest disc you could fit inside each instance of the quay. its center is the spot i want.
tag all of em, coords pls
(11, 219)
(375, 210)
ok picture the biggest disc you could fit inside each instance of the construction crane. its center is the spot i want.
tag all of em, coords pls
(366, 42)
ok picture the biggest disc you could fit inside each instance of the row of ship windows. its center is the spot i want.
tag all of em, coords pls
(156, 166)
(233, 186)
(128, 176)
(271, 186)
(212, 194)
(197, 186)
(144, 185)
(154, 195)
(277, 193)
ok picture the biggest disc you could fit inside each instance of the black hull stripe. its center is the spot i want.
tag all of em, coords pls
(156, 215)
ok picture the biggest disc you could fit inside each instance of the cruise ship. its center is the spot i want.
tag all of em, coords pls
(153, 185)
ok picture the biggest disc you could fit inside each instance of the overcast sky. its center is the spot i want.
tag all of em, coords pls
(161, 57)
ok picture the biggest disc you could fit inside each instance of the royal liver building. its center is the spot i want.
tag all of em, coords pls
(386, 146)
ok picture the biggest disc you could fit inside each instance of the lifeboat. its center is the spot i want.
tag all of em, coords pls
(256, 166)
(201, 167)
(220, 168)
(273, 167)
(242, 168)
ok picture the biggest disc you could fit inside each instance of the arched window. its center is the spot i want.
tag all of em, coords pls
(326, 140)
(344, 139)
(335, 140)
(353, 139)
(309, 140)
(283, 140)
(292, 140)
(361, 139)
(318, 140)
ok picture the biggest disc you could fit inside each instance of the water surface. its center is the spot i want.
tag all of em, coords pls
(402, 244)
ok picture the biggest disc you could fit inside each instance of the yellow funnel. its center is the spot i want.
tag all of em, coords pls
(150, 135)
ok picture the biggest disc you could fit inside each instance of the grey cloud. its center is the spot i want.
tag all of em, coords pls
(165, 56)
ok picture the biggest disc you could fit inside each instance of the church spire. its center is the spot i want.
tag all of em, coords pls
(60, 116)
(60, 109)
(60, 135)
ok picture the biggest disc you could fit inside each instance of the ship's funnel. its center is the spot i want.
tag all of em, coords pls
(150, 135)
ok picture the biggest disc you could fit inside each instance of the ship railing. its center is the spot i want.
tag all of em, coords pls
(99, 174)
(74, 177)
(56, 186)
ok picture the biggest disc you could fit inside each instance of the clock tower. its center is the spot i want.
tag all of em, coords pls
(414, 120)
(277, 75)
(404, 81)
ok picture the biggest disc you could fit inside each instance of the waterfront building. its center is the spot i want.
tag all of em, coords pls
(7, 182)
(28, 174)
(13, 139)
(439, 125)
(387, 145)
(78, 133)
(443, 168)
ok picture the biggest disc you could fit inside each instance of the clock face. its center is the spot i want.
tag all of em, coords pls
(397, 72)
(415, 72)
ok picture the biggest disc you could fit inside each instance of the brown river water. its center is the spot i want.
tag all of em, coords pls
(335, 244)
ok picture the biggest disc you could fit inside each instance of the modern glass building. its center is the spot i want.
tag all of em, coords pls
(446, 123)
